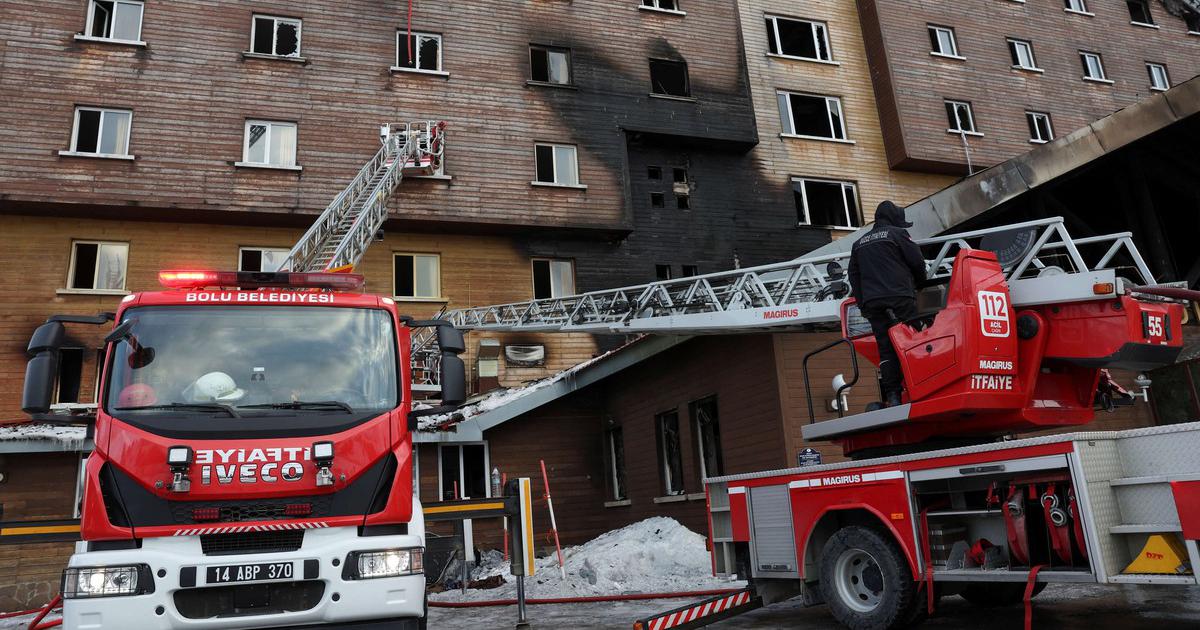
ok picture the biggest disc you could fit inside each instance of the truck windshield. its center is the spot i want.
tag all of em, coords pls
(253, 361)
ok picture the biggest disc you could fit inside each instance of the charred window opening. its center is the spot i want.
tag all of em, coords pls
(708, 437)
(276, 36)
(1139, 11)
(690, 270)
(669, 78)
(662, 272)
(70, 375)
(670, 457)
(550, 65)
(798, 38)
(811, 116)
(683, 201)
(654, 172)
(426, 51)
(616, 463)
(826, 203)
(657, 200)
(1193, 21)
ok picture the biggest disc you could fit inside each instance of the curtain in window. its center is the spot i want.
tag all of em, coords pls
(114, 133)
(110, 266)
(283, 145)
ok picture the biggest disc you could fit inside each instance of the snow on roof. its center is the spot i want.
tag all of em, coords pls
(67, 438)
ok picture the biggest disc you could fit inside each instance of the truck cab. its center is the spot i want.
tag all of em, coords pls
(253, 458)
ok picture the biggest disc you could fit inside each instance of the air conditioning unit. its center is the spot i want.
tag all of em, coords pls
(525, 355)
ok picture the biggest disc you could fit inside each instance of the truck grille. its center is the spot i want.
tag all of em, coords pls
(251, 542)
(248, 599)
(252, 510)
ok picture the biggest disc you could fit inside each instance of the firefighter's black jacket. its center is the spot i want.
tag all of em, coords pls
(885, 262)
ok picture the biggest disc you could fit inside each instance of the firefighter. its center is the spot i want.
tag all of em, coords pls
(886, 267)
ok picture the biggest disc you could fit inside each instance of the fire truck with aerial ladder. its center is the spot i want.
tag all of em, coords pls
(1018, 327)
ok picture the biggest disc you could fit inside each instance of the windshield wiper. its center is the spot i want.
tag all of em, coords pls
(303, 404)
(193, 406)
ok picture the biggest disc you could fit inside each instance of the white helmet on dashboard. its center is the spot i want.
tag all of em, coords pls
(214, 387)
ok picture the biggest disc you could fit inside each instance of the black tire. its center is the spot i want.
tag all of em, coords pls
(866, 580)
(996, 594)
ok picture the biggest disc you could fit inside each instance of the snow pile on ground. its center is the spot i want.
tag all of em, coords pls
(657, 555)
(71, 437)
(22, 622)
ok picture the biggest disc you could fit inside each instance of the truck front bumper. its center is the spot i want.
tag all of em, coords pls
(317, 597)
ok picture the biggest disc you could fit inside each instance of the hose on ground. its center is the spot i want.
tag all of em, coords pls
(584, 599)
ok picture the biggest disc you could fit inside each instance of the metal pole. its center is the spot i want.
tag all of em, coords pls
(553, 525)
(522, 621)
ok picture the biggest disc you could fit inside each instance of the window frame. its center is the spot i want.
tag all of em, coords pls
(1015, 46)
(552, 49)
(70, 288)
(694, 410)
(655, 6)
(418, 298)
(687, 79)
(791, 122)
(974, 130)
(551, 261)
(554, 146)
(416, 68)
(1082, 10)
(276, 19)
(1166, 76)
(666, 478)
(74, 146)
(618, 482)
(936, 28)
(1031, 118)
(775, 39)
(270, 124)
(1084, 55)
(243, 249)
(1149, 14)
(91, 16)
(487, 468)
(803, 181)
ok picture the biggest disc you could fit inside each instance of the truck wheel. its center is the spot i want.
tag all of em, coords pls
(995, 594)
(866, 580)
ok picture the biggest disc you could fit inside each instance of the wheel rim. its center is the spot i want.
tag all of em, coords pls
(859, 580)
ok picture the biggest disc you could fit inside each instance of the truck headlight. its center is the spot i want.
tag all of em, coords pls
(366, 565)
(115, 581)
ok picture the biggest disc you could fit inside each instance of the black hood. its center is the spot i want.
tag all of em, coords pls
(889, 213)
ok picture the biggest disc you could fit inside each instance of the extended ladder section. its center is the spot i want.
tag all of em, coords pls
(342, 233)
(426, 358)
(1042, 264)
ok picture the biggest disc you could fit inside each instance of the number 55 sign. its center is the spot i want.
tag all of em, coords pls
(993, 313)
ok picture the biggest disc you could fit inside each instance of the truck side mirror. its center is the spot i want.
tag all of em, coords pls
(42, 369)
(454, 372)
(451, 339)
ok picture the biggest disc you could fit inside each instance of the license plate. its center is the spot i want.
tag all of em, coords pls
(250, 572)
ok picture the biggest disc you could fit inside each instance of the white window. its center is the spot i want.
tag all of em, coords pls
(118, 20)
(801, 39)
(670, 460)
(1040, 130)
(276, 36)
(463, 472)
(811, 116)
(942, 41)
(708, 437)
(1093, 67)
(1158, 77)
(100, 131)
(417, 276)
(1139, 12)
(556, 164)
(422, 52)
(270, 143)
(826, 203)
(261, 258)
(1076, 6)
(550, 65)
(960, 117)
(662, 5)
(553, 278)
(97, 266)
(1021, 52)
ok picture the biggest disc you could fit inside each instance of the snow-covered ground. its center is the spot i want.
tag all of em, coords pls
(22, 622)
(657, 555)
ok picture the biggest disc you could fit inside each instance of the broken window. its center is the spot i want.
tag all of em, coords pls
(811, 116)
(960, 117)
(464, 472)
(1076, 6)
(654, 172)
(556, 164)
(683, 201)
(1021, 52)
(690, 270)
(276, 36)
(1093, 67)
(270, 143)
(70, 375)
(670, 459)
(669, 78)
(657, 200)
(1139, 11)
(101, 131)
(798, 38)
(550, 65)
(98, 266)
(1158, 76)
(662, 272)
(661, 5)
(1040, 131)
(1193, 21)
(423, 51)
(417, 276)
(826, 203)
(680, 175)
(261, 258)
(553, 278)
(708, 437)
(941, 38)
(119, 20)
(615, 441)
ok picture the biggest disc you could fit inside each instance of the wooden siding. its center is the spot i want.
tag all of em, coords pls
(36, 487)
